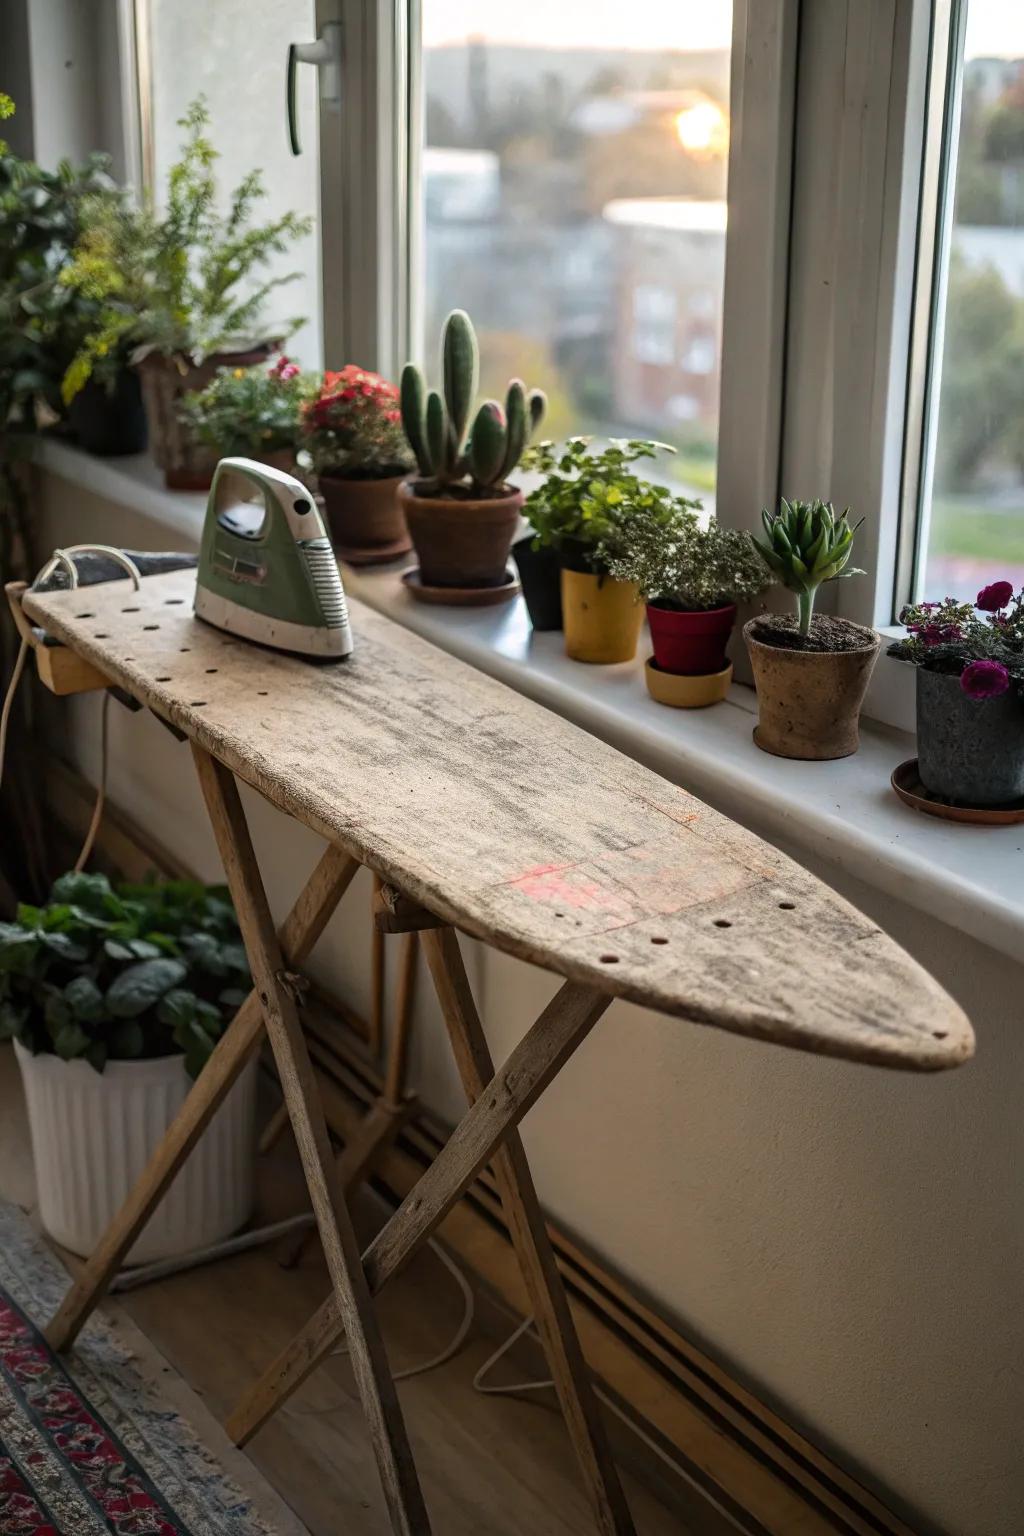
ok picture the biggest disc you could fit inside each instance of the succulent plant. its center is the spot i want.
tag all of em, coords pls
(807, 544)
(449, 451)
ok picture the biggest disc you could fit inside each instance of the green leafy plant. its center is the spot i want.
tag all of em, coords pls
(249, 411)
(590, 501)
(436, 425)
(118, 974)
(182, 282)
(688, 565)
(806, 544)
(351, 427)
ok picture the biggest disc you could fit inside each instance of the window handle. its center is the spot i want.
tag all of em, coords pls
(325, 54)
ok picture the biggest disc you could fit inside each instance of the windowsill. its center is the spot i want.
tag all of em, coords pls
(841, 813)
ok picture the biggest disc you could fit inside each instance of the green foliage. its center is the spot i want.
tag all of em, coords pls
(590, 500)
(807, 544)
(249, 411)
(182, 283)
(436, 426)
(690, 566)
(119, 974)
(42, 322)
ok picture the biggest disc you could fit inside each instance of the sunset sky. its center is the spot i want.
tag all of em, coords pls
(994, 27)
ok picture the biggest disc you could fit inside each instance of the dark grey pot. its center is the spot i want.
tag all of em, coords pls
(969, 750)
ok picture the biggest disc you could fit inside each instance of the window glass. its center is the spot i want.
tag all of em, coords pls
(234, 54)
(574, 184)
(975, 521)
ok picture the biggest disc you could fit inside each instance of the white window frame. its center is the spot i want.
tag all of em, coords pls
(836, 169)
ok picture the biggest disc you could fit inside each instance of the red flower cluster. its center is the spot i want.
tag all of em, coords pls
(284, 369)
(353, 423)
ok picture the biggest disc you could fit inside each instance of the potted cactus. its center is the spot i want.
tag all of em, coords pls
(811, 672)
(584, 510)
(461, 512)
(692, 574)
(970, 695)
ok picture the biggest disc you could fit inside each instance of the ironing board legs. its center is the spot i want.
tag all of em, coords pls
(532, 1245)
(532, 1065)
(299, 933)
(351, 1293)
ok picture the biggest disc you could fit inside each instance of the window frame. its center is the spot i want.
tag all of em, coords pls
(838, 162)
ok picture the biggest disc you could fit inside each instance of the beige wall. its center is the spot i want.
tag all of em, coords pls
(851, 1241)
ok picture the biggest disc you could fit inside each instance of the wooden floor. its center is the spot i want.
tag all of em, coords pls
(491, 1466)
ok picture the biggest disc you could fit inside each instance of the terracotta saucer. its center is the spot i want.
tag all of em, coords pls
(907, 784)
(462, 597)
(373, 554)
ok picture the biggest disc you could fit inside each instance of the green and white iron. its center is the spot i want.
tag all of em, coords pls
(266, 567)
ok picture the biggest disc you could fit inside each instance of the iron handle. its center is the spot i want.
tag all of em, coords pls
(325, 54)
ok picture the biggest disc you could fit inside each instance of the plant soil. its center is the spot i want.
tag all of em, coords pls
(827, 633)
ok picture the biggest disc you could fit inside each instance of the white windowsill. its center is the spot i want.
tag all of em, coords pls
(843, 813)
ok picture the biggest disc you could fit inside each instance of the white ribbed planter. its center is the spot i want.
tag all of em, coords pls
(93, 1133)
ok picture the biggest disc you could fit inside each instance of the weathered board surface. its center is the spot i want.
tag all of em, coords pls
(521, 829)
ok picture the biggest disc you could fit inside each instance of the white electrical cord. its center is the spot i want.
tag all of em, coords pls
(63, 558)
(516, 1387)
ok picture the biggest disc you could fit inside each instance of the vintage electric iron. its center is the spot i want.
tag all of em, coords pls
(266, 568)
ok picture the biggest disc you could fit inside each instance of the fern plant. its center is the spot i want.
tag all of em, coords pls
(185, 282)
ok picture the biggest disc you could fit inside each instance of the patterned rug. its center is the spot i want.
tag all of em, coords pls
(95, 1444)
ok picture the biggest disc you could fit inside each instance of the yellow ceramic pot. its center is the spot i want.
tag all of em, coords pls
(601, 617)
(685, 691)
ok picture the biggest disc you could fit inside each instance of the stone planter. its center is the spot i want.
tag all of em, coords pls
(969, 750)
(809, 701)
(461, 541)
(602, 617)
(365, 519)
(187, 466)
(94, 1132)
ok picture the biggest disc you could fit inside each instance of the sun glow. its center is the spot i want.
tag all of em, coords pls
(703, 130)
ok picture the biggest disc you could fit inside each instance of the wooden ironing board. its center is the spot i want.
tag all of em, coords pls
(481, 811)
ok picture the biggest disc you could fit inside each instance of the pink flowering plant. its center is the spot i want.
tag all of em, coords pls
(352, 427)
(982, 642)
(249, 411)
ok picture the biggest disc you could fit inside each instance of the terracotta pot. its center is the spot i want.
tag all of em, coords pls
(809, 701)
(602, 617)
(186, 465)
(969, 750)
(461, 543)
(364, 517)
(540, 572)
(690, 643)
(681, 690)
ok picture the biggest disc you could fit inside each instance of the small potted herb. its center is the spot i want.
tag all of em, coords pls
(811, 672)
(461, 511)
(250, 412)
(692, 575)
(114, 999)
(42, 321)
(970, 694)
(583, 511)
(184, 290)
(351, 429)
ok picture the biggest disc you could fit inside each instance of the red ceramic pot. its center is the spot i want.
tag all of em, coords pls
(691, 644)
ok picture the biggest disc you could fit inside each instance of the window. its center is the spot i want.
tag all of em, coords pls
(237, 61)
(971, 527)
(573, 193)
